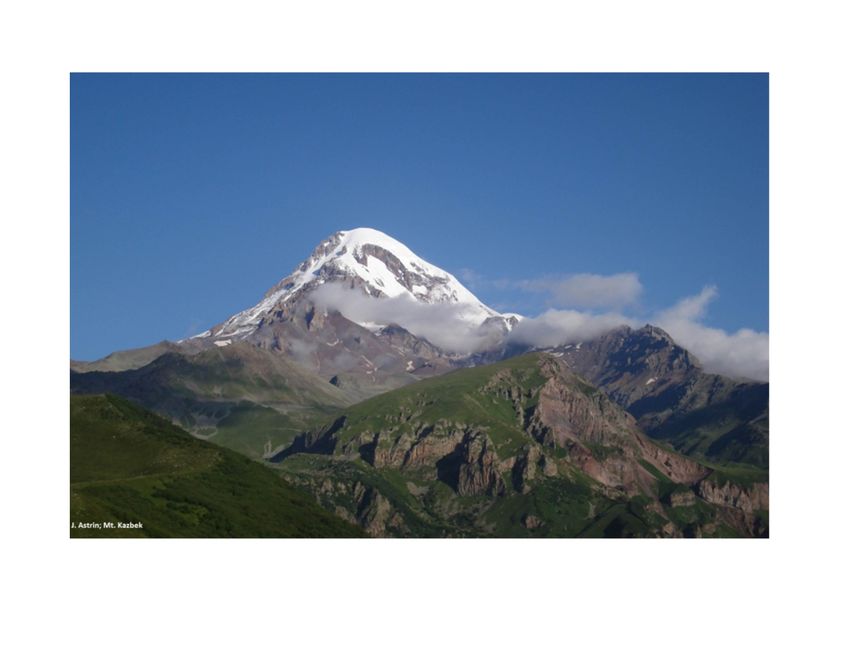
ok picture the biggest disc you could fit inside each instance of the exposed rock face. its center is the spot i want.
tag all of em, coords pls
(374, 512)
(357, 503)
(676, 467)
(575, 411)
(748, 500)
(602, 439)
(663, 386)
(477, 472)
(629, 365)
(525, 468)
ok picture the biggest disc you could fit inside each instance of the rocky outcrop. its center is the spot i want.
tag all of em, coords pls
(462, 457)
(575, 411)
(525, 468)
(477, 468)
(532, 522)
(629, 364)
(748, 499)
(375, 513)
(676, 467)
(354, 502)
(672, 398)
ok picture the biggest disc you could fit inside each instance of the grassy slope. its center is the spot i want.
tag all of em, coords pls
(251, 429)
(128, 465)
(454, 396)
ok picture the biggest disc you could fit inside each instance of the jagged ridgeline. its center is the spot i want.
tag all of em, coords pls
(523, 447)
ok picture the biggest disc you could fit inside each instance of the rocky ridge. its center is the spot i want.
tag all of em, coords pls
(672, 398)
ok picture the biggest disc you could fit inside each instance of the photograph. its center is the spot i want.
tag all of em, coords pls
(419, 305)
(436, 324)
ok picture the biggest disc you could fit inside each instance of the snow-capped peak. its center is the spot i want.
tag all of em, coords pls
(373, 262)
(387, 267)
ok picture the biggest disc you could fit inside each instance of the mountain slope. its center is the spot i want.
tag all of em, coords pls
(130, 466)
(336, 314)
(130, 358)
(239, 396)
(364, 315)
(521, 447)
(664, 387)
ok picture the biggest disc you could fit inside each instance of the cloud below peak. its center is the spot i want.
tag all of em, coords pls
(742, 354)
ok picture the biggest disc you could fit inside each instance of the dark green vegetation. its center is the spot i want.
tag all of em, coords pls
(129, 465)
(733, 430)
(238, 396)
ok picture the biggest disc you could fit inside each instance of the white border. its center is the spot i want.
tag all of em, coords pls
(453, 592)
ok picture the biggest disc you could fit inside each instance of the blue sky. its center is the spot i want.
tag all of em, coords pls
(193, 194)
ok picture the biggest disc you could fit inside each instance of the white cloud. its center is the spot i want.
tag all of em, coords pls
(556, 327)
(587, 290)
(742, 354)
(692, 308)
(444, 325)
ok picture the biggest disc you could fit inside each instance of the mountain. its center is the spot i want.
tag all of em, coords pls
(672, 398)
(130, 358)
(303, 318)
(241, 396)
(335, 315)
(259, 378)
(523, 447)
(365, 260)
(129, 466)
(334, 319)
(378, 384)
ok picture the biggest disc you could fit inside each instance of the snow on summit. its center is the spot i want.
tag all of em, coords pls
(368, 262)
(357, 253)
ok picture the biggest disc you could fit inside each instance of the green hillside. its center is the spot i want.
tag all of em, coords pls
(520, 448)
(129, 466)
(458, 395)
